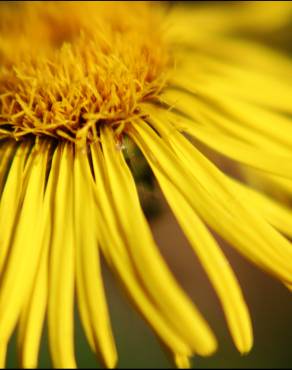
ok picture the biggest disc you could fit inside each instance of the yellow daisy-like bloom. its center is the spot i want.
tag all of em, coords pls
(78, 82)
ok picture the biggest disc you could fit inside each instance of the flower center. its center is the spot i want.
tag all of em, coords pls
(65, 76)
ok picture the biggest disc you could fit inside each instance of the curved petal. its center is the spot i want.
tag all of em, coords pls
(149, 264)
(116, 254)
(208, 193)
(61, 261)
(20, 269)
(91, 295)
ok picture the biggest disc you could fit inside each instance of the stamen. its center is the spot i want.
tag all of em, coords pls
(69, 91)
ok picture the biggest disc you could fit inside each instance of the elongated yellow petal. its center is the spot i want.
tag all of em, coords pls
(9, 202)
(61, 266)
(264, 227)
(82, 309)
(81, 293)
(20, 269)
(6, 155)
(113, 247)
(248, 84)
(206, 190)
(182, 362)
(138, 294)
(174, 303)
(270, 124)
(238, 150)
(246, 154)
(3, 350)
(255, 17)
(277, 214)
(33, 313)
(261, 58)
(88, 264)
(229, 121)
(268, 183)
(249, 123)
(216, 266)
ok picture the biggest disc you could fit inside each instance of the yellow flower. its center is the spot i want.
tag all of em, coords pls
(77, 83)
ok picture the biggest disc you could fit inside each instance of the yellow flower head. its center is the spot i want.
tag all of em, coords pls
(78, 83)
(85, 75)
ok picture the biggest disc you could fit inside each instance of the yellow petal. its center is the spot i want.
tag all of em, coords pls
(267, 161)
(148, 261)
(7, 150)
(216, 266)
(238, 150)
(88, 265)
(278, 215)
(10, 200)
(3, 351)
(61, 265)
(139, 296)
(261, 58)
(25, 246)
(182, 362)
(33, 313)
(116, 254)
(207, 192)
(230, 79)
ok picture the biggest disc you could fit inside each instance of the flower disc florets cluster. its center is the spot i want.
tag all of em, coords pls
(67, 77)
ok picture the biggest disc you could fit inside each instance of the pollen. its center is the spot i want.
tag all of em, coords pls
(63, 77)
